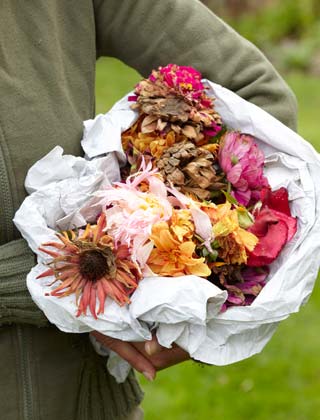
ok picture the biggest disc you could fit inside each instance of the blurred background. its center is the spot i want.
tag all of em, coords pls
(282, 382)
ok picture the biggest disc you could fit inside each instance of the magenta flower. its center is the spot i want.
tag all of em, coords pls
(243, 293)
(242, 162)
(183, 81)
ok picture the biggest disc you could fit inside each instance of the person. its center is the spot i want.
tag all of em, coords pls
(48, 52)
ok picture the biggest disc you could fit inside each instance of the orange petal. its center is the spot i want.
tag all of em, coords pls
(101, 224)
(46, 273)
(125, 279)
(54, 244)
(92, 303)
(62, 286)
(85, 299)
(101, 297)
(51, 253)
(201, 270)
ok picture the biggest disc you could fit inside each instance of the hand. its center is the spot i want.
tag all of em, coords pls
(146, 357)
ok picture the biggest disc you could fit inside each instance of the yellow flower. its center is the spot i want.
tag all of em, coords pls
(173, 254)
(182, 225)
(232, 239)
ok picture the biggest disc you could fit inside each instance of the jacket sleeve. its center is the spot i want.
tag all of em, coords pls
(16, 304)
(146, 34)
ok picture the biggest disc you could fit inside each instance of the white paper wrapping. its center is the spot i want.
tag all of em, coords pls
(184, 310)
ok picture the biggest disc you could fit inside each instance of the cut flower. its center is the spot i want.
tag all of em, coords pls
(242, 162)
(173, 98)
(233, 242)
(242, 283)
(274, 226)
(174, 251)
(88, 265)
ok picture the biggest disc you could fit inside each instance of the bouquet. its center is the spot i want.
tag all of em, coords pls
(198, 221)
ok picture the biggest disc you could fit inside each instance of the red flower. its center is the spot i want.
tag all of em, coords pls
(274, 226)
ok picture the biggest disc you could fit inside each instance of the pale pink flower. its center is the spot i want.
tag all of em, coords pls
(131, 212)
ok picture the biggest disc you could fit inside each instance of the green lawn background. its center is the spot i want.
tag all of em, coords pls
(282, 382)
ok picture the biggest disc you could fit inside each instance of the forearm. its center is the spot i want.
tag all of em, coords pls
(145, 34)
(16, 305)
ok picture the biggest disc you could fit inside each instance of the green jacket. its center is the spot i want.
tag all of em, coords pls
(48, 51)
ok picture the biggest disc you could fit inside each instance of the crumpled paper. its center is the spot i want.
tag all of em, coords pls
(61, 196)
(185, 311)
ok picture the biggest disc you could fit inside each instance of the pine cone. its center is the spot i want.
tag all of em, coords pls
(190, 169)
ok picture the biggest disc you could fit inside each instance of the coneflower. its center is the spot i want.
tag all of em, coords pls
(88, 264)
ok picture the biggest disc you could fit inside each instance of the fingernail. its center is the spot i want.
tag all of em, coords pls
(151, 347)
(148, 349)
(148, 376)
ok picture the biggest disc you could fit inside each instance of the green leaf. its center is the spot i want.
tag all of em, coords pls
(230, 198)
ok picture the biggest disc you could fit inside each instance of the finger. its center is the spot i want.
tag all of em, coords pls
(129, 353)
(169, 357)
(166, 357)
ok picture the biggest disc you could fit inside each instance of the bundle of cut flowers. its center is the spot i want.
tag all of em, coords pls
(197, 219)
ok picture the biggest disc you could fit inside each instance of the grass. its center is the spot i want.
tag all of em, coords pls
(283, 382)
(307, 90)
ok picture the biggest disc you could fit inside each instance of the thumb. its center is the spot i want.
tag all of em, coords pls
(129, 353)
(152, 346)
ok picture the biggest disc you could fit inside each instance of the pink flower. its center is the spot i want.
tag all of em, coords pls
(182, 77)
(182, 81)
(242, 162)
(242, 293)
(274, 226)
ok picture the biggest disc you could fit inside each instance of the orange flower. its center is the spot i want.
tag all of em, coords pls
(89, 266)
(174, 251)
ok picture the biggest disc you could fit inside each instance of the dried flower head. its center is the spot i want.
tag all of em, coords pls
(87, 264)
(191, 170)
(173, 98)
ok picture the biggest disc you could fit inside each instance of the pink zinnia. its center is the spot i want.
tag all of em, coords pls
(242, 162)
(184, 81)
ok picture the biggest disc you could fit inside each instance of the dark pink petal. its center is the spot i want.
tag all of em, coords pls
(234, 299)
(234, 173)
(277, 200)
(249, 300)
(256, 274)
(132, 98)
(263, 220)
(243, 197)
(269, 246)
(291, 223)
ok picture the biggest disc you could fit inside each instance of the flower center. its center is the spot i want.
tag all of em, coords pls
(234, 159)
(95, 264)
